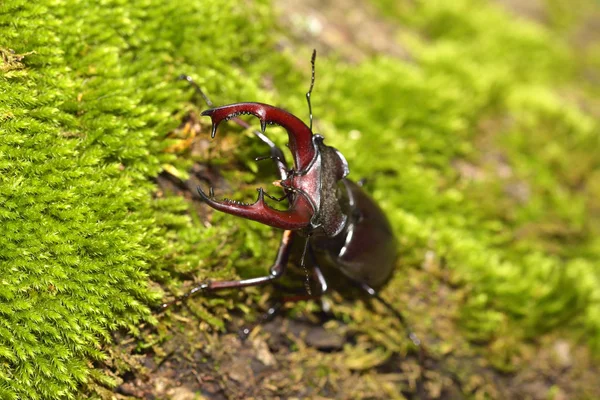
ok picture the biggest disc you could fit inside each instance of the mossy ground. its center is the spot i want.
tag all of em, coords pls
(475, 123)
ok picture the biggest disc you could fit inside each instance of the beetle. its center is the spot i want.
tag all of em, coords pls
(344, 230)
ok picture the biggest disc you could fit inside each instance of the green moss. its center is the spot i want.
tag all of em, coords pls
(88, 94)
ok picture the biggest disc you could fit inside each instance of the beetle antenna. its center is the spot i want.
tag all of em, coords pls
(303, 265)
(312, 84)
(197, 88)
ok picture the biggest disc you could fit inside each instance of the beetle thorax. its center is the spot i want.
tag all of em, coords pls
(319, 184)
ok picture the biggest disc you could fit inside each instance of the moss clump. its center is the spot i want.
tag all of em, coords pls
(88, 92)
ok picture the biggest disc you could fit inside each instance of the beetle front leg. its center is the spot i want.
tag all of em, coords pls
(275, 308)
(276, 271)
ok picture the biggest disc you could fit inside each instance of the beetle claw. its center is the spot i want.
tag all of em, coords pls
(298, 216)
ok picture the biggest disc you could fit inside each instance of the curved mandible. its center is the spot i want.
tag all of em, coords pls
(298, 216)
(300, 135)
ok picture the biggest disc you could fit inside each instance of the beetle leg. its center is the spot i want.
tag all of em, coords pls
(276, 154)
(373, 293)
(277, 199)
(320, 279)
(300, 135)
(323, 288)
(318, 276)
(298, 216)
(276, 271)
(277, 307)
(268, 316)
(196, 87)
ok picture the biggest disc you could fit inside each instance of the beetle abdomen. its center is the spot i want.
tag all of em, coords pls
(366, 249)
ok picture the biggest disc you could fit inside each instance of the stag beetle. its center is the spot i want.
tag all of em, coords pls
(343, 228)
